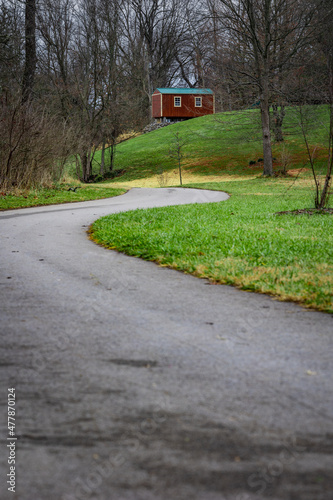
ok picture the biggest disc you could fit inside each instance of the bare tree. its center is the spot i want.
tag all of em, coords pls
(30, 50)
(80, 62)
(325, 40)
(194, 56)
(11, 47)
(154, 31)
(268, 34)
(114, 111)
(177, 153)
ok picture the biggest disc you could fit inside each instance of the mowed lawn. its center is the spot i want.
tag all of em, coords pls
(241, 242)
(56, 195)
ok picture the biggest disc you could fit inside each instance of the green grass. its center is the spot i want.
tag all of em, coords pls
(56, 195)
(219, 143)
(239, 242)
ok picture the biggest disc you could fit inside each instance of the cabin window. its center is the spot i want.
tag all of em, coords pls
(178, 102)
(198, 102)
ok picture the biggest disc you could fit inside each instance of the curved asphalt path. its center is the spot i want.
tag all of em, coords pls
(138, 382)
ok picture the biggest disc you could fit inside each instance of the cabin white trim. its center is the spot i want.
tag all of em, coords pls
(177, 101)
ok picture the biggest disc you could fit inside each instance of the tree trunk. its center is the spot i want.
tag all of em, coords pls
(278, 115)
(30, 50)
(112, 154)
(266, 133)
(102, 169)
(86, 166)
(180, 172)
(325, 193)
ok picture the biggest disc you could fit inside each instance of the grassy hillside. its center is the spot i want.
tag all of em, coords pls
(220, 144)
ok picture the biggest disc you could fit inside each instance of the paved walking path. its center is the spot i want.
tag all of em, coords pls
(135, 382)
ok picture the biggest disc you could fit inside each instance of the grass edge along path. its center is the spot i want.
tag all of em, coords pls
(57, 196)
(239, 242)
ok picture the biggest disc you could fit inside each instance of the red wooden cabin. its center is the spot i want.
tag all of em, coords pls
(179, 104)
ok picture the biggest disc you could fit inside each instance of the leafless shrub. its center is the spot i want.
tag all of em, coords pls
(285, 158)
(33, 146)
(176, 152)
(322, 180)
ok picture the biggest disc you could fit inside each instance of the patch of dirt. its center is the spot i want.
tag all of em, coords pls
(171, 178)
(297, 171)
(307, 211)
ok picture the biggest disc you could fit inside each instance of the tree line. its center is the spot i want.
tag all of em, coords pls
(75, 74)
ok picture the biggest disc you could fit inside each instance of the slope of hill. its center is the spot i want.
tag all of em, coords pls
(215, 145)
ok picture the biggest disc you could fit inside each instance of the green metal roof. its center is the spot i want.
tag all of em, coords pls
(185, 91)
